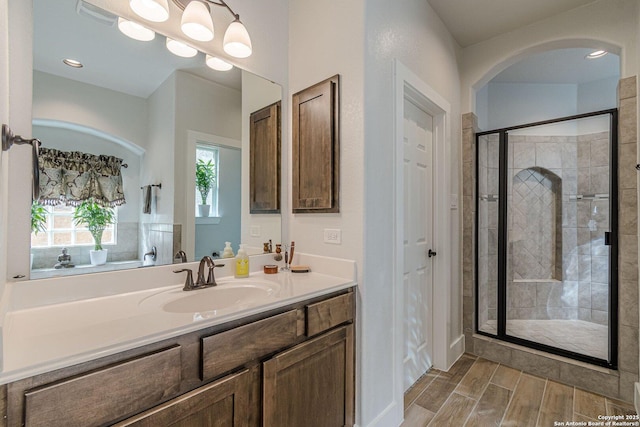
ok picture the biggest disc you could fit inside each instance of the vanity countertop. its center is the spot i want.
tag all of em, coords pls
(46, 337)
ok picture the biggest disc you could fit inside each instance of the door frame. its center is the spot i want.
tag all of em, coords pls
(409, 85)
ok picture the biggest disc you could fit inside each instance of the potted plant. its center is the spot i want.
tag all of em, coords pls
(205, 180)
(96, 218)
(38, 221)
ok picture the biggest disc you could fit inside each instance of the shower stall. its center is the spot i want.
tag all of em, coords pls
(546, 236)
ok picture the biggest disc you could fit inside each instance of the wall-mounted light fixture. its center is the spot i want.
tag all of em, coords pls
(197, 23)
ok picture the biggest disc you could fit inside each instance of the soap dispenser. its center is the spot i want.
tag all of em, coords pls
(227, 252)
(242, 263)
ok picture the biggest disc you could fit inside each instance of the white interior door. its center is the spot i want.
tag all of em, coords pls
(418, 239)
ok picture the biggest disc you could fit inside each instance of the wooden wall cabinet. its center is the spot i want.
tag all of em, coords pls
(264, 152)
(293, 366)
(316, 148)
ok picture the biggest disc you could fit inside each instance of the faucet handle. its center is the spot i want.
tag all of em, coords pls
(211, 280)
(188, 282)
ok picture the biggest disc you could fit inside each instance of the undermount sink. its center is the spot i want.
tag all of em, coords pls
(226, 297)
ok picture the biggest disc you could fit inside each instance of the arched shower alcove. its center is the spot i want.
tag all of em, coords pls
(535, 229)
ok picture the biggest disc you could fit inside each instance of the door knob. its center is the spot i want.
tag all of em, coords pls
(431, 253)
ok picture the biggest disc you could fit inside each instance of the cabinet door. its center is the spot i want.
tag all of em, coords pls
(264, 152)
(224, 403)
(316, 148)
(311, 384)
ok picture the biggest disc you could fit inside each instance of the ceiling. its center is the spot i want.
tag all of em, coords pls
(473, 21)
(116, 62)
(111, 59)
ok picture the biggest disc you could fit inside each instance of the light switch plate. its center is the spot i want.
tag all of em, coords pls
(255, 231)
(333, 236)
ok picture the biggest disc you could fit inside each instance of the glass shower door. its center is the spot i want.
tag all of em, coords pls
(546, 227)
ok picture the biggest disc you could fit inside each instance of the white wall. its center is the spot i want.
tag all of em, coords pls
(256, 94)
(200, 106)
(157, 164)
(327, 38)
(415, 35)
(512, 104)
(598, 95)
(115, 113)
(500, 105)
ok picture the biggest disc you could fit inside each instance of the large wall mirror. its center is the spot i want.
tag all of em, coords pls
(159, 113)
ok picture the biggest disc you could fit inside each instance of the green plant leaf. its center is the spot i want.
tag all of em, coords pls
(205, 178)
(95, 217)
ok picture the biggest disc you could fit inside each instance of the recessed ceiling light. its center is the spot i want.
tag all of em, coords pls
(73, 63)
(596, 54)
(217, 63)
(135, 30)
(181, 49)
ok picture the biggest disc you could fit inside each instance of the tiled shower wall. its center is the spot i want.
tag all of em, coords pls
(615, 383)
(558, 261)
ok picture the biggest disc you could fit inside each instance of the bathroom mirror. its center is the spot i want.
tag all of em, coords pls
(137, 101)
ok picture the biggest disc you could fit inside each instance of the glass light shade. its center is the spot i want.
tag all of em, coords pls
(196, 21)
(181, 49)
(237, 42)
(217, 63)
(135, 30)
(151, 10)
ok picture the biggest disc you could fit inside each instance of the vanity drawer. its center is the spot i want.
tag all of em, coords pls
(106, 394)
(324, 315)
(228, 350)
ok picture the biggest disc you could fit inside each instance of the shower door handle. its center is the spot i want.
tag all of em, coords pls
(607, 238)
(431, 253)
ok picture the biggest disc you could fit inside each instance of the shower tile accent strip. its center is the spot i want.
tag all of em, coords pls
(617, 384)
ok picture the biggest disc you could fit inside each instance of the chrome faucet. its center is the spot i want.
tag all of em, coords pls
(181, 255)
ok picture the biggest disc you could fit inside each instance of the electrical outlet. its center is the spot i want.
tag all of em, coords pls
(255, 231)
(333, 236)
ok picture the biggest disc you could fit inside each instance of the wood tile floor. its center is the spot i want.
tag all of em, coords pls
(478, 392)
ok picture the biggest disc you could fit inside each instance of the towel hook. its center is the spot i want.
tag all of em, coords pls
(8, 139)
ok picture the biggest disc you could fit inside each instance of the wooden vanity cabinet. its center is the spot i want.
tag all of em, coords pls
(292, 366)
(311, 384)
(223, 403)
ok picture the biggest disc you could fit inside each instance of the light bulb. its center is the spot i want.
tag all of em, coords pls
(217, 63)
(180, 49)
(196, 21)
(237, 42)
(135, 30)
(151, 10)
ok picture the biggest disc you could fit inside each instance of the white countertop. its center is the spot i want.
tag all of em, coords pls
(46, 337)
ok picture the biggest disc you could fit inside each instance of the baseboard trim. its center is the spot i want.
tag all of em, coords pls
(388, 417)
(456, 349)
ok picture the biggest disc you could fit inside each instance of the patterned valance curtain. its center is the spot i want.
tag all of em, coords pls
(70, 177)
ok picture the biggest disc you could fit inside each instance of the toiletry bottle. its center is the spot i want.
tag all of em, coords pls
(227, 252)
(242, 263)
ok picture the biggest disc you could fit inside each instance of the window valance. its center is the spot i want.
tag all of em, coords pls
(70, 177)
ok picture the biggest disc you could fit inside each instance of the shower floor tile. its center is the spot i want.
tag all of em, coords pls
(574, 335)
